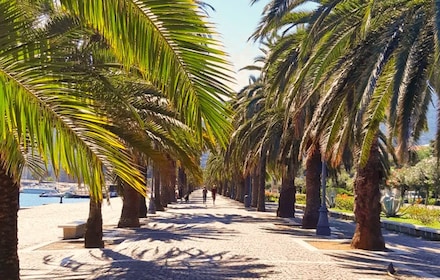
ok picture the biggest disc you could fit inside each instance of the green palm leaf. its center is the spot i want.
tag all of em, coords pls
(173, 46)
(46, 116)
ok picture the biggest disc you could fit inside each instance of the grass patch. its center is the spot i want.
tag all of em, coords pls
(403, 219)
(341, 210)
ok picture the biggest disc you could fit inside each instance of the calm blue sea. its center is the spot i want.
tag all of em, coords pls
(31, 199)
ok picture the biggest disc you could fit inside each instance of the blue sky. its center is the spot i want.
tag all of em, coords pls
(236, 20)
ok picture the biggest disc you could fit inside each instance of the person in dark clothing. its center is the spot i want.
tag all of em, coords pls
(205, 194)
(213, 193)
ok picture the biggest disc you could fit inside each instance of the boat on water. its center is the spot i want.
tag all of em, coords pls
(37, 188)
(71, 194)
(52, 193)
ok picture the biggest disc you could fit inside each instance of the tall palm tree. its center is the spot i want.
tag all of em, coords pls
(284, 60)
(40, 112)
(391, 83)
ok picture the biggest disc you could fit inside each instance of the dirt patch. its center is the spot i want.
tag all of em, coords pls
(76, 244)
(331, 245)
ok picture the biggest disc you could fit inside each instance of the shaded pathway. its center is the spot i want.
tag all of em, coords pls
(225, 241)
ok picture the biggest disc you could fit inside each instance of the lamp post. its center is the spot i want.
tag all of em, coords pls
(247, 197)
(151, 204)
(323, 227)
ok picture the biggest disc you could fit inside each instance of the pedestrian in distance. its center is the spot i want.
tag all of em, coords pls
(205, 194)
(213, 193)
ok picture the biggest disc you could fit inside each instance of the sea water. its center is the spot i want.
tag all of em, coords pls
(32, 199)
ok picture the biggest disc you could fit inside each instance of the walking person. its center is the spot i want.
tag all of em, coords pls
(205, 194)
(213, 193)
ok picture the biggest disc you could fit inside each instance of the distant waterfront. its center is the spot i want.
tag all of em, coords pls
(31, 200)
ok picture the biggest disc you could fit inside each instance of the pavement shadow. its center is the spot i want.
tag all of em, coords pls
(371, 264)
(293, 230)
(169, 233)
(190, 263)
(211, 218)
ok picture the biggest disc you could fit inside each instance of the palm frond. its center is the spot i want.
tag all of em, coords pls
(172, 44)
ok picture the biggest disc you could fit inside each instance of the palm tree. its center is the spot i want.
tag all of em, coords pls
(283, 63)
(40, 113)
(392, 79)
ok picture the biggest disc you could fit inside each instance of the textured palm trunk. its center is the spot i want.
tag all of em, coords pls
(254, 187)
(261, 206)
(173, 179)
(313, 182)
(181, 181)
(93, 234)
(165, 193)
(222, 187)
(168, 177)
(248, 186)
(9, 195)
(286, 202)
(157, 184)
(240, 189)
(142, 207)
(368, 234)
(130, 209)
(225, 188)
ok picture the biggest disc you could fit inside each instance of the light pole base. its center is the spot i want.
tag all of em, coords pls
(151, 207)
(247, 201)
(323, 227)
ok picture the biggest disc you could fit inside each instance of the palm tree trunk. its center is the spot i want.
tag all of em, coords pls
(261, 206)
(240, 189)
(368, 234)
(173, 179)
(248, 188)
(93, 234)
(142, 207)
(254, 186)
(130, 209)
(157, 184)
(9, 197)
(168, 180)
(286, 203)
(313, 178)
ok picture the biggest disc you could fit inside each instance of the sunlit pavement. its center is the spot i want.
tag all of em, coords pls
(226, 241)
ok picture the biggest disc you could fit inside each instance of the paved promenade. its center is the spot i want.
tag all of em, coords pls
(222, 241)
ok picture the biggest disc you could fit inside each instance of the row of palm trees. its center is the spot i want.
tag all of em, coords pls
(344, 82)
(104, 89)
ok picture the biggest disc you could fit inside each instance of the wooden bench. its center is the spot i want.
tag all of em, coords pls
(74, 229)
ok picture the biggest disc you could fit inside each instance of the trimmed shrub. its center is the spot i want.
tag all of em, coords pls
(345, 202)
(271, 197)
(300, 198)
(423, 214)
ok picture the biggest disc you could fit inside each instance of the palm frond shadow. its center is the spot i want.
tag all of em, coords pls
(372, 264)
(172, 233)
(174, 263)
(194, 219)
